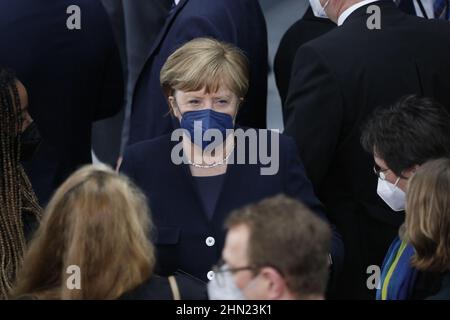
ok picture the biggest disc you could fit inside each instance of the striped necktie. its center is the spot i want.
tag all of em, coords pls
(441, 9)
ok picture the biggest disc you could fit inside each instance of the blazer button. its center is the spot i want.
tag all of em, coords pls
(210, 241)
(210, 275)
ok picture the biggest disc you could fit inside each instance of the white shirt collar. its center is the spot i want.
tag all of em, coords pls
(344, 15)
(176, 2)
(427, 5)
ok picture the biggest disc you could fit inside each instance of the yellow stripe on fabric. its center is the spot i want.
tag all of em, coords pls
(391, 270)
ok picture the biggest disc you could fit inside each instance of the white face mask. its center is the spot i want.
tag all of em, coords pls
(391, 194)
(226, 290)
(317, 8)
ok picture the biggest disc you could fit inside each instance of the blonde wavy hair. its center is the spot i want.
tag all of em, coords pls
(427, 222)
(99, 221)
(206, 63)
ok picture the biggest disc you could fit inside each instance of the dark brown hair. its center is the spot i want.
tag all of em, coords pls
(408, 133)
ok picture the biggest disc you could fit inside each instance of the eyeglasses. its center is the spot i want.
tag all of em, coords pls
(221, 269)
(380, 173)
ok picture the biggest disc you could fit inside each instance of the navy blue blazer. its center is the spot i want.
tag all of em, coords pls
(73, 77)
(182, 225)
(240, 22)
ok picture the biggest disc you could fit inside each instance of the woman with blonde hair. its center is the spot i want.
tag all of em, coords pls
(197, 174)
(96, 228)
(427, 225)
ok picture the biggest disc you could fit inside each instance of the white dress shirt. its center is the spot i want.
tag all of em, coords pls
(176, 2)
(344, 15)
(428, 5)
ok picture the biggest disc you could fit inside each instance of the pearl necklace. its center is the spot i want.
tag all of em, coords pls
(209, 166)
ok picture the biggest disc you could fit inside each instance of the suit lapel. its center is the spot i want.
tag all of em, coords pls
(233, 175)
(184, 171)
(227, 187)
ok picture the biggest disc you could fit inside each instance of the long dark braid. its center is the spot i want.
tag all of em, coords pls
(16, 193)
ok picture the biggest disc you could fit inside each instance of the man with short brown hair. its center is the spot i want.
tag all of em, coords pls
(276, 249)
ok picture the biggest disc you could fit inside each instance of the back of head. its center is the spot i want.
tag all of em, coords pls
(286, 235)
(428, 216)
(97, 221)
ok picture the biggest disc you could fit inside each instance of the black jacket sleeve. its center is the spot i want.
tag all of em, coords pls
(299, 187)
(313, 113)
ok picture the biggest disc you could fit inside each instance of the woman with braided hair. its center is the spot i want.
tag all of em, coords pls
(19, 208)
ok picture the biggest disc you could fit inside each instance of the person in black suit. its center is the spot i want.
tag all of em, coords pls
(93, 244)
(240, 22)
(136, 25)
(338, 79)
(192, 188)
(306, 29)
(73, 77)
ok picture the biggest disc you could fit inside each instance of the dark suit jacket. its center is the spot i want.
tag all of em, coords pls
(181, 222)
(306, 29)
(135, 24)
(73, 77)
(240, 22)
(338, 80)
(158, 288)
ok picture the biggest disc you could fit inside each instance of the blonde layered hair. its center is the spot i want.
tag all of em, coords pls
(205, 63)
(428, 216)
(97, 220)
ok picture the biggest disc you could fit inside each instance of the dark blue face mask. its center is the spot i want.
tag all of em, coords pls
(210, 119)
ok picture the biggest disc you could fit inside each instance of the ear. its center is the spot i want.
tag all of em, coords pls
(276, 285)
(411, 171)
(23, 94)
(23, 97)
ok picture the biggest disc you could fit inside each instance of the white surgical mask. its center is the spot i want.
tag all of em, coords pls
(391, 194)
(317, 8)
(226, 290)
